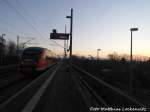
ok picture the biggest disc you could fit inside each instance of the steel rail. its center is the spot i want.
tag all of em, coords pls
(109, 86)
(96, 96)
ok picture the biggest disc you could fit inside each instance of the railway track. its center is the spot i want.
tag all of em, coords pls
(7, 71)
(13, 83)
(143, 95)
(10, 80)
(26, 91)
(95, 92)
(13, 88)
(101, 93)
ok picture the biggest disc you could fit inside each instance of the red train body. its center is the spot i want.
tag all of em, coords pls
(36, 59)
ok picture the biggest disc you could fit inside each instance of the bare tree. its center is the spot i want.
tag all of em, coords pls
(114, 56)
(11, 46)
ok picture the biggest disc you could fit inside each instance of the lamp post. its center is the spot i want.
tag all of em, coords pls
(98, 53)
(131, 73)
(71, 26)
(132, 29)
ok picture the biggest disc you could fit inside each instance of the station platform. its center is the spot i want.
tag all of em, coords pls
(53, 91)
(61, 95)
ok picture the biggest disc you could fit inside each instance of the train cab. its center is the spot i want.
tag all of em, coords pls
(35, 59)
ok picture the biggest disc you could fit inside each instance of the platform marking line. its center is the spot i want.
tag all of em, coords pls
(32, 103)
(22, 90)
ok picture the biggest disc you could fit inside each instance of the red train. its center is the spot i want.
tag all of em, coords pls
(36, 59)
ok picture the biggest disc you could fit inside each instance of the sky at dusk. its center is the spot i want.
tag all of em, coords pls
(97, 24)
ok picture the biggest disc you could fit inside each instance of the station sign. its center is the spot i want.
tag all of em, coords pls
(60, 36)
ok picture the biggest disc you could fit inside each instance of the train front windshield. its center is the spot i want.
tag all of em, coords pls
(33, 54)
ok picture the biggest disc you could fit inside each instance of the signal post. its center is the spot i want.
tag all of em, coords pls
(65, 36)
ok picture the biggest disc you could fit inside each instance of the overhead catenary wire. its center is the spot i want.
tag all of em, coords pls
(8, 31)
(20, 14)
(28, 22)
(8, 27)
(27, 12)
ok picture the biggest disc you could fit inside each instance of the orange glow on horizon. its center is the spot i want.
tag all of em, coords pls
(104, 54)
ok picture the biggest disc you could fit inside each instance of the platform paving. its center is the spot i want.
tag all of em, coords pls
(61, 95)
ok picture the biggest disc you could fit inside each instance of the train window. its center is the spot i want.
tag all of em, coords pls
(34, 54)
